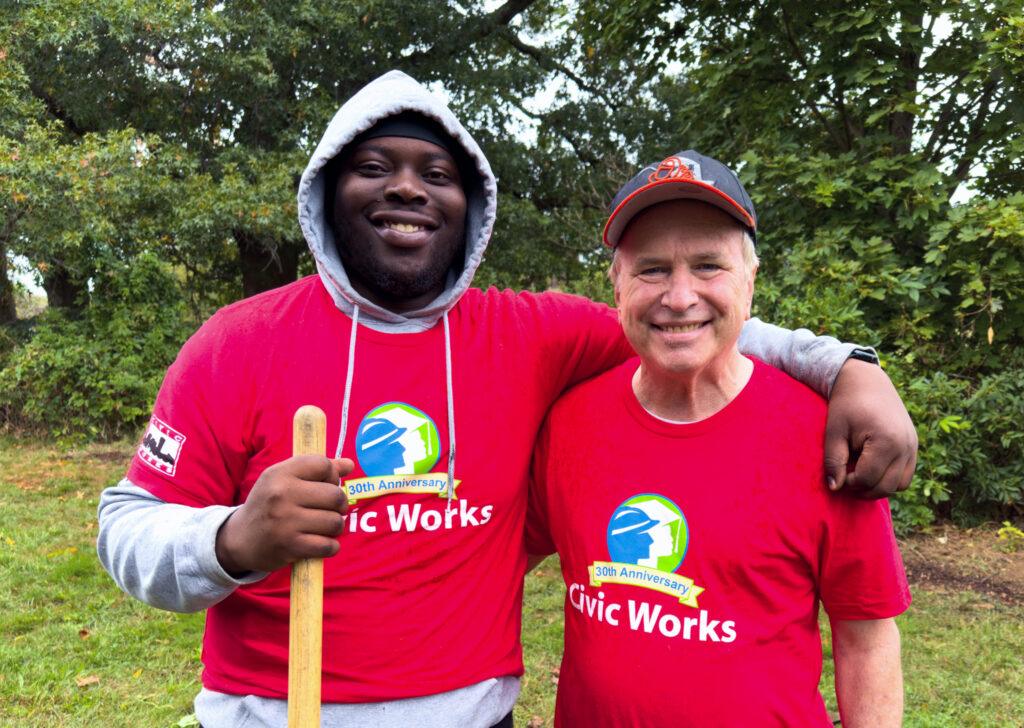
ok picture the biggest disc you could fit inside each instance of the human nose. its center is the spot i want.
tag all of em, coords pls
(406, 186)
(681, 292)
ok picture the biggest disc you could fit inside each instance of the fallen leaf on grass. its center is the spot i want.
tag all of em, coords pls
(137, 673)
(62, 552)
(84, 682)
(84, 634)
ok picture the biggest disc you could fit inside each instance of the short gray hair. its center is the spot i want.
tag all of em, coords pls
(750, 258)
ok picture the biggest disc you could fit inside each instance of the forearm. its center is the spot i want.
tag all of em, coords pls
(813, 360)
(869, 678)
(162, 553)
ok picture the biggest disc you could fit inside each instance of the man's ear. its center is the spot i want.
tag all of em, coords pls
(750, 289)
(613, 276)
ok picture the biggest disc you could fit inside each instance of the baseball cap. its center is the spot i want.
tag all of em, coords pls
(686, 175)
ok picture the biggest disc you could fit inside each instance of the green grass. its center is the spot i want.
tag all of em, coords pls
(62, 622)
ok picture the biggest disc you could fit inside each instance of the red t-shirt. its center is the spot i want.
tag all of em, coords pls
(417, 602)
(695, 556)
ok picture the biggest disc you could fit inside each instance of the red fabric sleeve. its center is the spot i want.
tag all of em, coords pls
(861, 571)
(581, 336)
(193, 451)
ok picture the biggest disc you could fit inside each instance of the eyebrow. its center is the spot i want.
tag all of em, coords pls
(440, 156)
(648, 260)
(706, 255)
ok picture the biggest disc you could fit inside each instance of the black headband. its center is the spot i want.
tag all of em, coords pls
(412, 126)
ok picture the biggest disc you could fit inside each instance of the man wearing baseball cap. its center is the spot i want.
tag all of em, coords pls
(713, 622)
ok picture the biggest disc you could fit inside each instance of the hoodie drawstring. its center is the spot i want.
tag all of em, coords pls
(450, 391)
(451, 410)
(348, 379)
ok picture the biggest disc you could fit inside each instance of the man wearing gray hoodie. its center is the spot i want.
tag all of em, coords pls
(423, 587)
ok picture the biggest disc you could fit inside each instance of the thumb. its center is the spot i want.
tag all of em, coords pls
(342, 467)
(837, 454)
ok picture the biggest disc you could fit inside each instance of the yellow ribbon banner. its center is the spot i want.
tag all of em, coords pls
(362, 488)
(613, 572)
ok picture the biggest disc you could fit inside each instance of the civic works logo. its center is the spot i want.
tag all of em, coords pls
(647, 539)
(396, 438)
(397, 445)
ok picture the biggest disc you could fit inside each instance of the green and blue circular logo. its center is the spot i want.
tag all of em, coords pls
(648, 530)
(396, 439)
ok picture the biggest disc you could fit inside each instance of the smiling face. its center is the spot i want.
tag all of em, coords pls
(682, 287)
(399, 220)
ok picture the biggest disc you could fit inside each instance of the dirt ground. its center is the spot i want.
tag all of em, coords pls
(949, 558)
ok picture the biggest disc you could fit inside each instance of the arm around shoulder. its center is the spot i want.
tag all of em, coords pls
(867, 421)
(811, 359)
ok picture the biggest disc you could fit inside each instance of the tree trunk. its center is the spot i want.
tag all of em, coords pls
(62, 291)
(8, 312)
(908, 61)
(265, 263)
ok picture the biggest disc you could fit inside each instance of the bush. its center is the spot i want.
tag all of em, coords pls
(96, 376)
(945, 306)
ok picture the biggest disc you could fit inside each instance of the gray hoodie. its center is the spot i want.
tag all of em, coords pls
(164, 554)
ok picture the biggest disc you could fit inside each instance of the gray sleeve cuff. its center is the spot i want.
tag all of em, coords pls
(205, 550)
(161, 553)
(813, 360)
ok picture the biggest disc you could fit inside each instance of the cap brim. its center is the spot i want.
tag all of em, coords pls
(664, 190)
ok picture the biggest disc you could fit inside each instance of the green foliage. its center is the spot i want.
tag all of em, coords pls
(881, 142)
(1011, 537)
(95, 377)
(882, 149)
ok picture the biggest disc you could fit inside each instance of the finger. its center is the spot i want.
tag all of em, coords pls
(312, 467)
(319, 496)
(837, 454)
(874, 459)
(908, 472)
(320, 522)
(911, 464)
(342, 467)
(311, 546)
(887, 484)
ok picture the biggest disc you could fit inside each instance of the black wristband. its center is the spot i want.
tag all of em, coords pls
(864, 355)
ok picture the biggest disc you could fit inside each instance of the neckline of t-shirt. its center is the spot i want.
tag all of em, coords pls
(651, 422)
(666, 419)
(402, 339)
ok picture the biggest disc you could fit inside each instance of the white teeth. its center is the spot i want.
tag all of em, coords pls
(681, 329)
(404, 227)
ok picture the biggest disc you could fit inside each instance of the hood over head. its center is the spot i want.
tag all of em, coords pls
(390, 95)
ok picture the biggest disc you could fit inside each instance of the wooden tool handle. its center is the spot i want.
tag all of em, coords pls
(305, 626)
